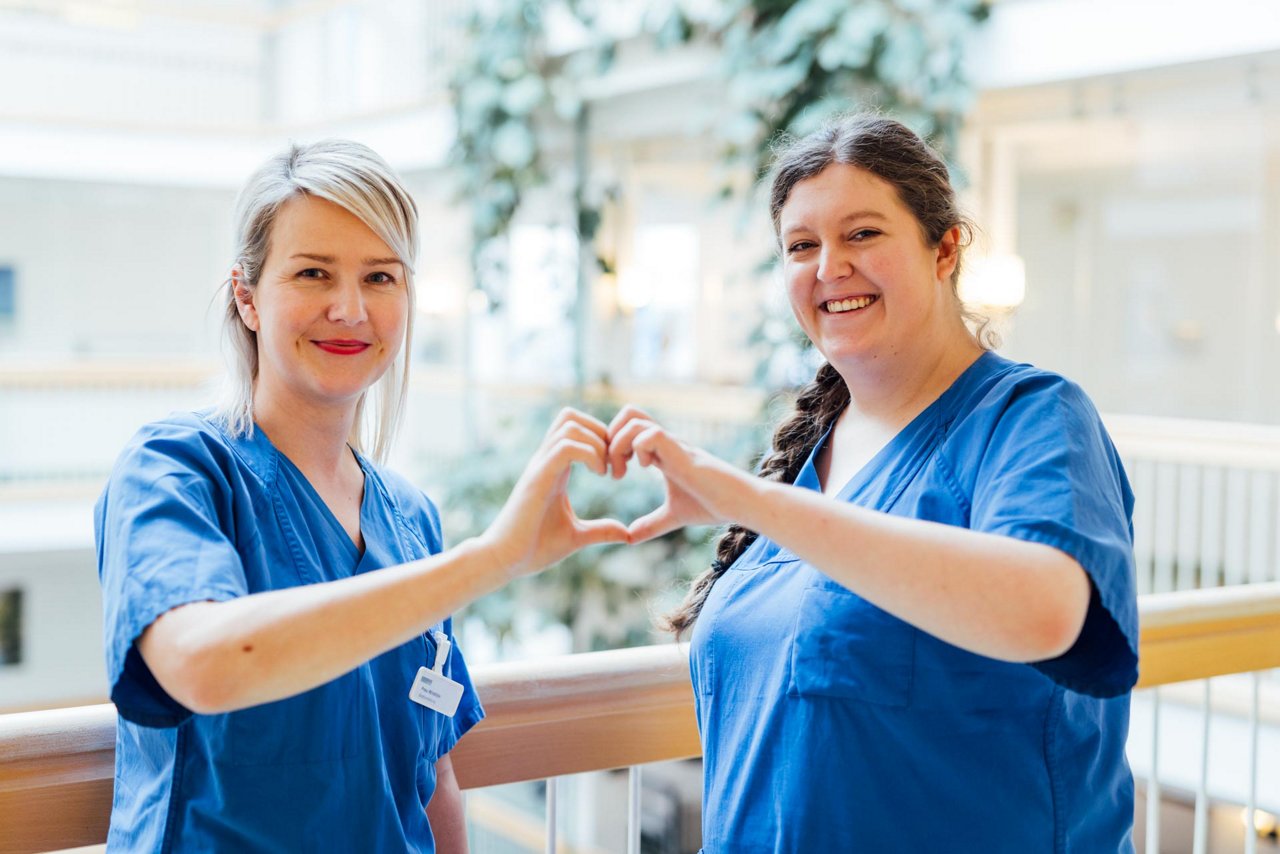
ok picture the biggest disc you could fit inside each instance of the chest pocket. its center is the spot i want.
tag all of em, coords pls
(846, 648)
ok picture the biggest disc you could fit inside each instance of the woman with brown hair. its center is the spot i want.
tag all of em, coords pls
(920, 629)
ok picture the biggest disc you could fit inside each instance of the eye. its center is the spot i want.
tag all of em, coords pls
(311, 273)
(381, 278)
(800, 246)
(863, 234)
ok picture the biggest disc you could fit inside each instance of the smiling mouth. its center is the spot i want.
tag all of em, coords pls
(343, 347)
(840, 306)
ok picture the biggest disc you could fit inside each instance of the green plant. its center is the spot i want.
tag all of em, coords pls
(786, 65)
(507, 93)
(791, 64)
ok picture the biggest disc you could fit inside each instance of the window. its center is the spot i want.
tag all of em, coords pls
(10, 627)
(8, 294)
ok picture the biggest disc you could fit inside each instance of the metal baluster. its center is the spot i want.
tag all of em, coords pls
(1259, 503)
(1235, 541)
(1201, 827)
(1153, 779)
(1144, 523)
(633, 810)
(1187, 533)
(1251, 808)
(1165, 519)
(551, 815)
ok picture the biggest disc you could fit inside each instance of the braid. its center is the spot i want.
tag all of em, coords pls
(817, 406)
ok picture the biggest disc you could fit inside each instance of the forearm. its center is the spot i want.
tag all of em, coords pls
(446, 812)
(218, 657)
(996, 596)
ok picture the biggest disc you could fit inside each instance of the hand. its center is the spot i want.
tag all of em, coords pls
(697, 483)
(537, 526)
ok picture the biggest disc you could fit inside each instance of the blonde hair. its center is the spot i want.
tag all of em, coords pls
(356, 179)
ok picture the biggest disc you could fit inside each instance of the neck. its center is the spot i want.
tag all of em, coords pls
(313, 436)
(896, 387)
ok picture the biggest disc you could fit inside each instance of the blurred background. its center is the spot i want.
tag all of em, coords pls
(593, 234)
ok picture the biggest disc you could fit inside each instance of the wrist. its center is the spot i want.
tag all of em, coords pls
(755, 503)
(495, 563)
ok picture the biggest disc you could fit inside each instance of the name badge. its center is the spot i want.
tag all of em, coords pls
(436, 691)
(432, 688)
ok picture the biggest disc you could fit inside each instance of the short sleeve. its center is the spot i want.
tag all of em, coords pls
(1051, 475)
(160, 527)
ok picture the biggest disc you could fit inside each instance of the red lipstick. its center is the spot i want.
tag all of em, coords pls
(342, 346)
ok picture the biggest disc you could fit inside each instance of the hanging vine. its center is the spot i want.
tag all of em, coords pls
(791, 64)
(787, 65)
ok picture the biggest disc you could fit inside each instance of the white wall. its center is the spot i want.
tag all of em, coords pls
(112, 269)
(126, 69)
(1146, 207)
(62, 658)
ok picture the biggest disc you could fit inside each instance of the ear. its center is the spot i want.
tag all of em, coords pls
(948, 253)
(243, 295)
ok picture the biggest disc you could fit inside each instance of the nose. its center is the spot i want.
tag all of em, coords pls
(834, 262)
(347, 305)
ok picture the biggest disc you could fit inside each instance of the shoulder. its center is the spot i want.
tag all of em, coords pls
(182, 466)
(418, 512)
(1018, 391)
(1017, 411)
(182, 440)
(195, 448)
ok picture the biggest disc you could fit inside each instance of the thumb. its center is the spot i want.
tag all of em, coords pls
(655, 524)
(598, 531)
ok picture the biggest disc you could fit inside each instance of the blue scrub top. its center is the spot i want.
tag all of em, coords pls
(190, 514)
(829, 725)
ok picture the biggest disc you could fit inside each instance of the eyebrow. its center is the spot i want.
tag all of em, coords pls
(329, 259)
(848, 218)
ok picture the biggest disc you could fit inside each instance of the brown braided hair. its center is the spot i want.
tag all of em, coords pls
(892, 152)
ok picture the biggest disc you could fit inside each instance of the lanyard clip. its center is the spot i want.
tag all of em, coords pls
(443, 646)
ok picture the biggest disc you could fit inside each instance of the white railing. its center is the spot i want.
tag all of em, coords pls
(1212, 733)
(1208, 501)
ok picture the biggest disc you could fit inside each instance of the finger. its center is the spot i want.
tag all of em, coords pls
(550, 468)
(650, 445)
(595, 531)
(655, 524)
(569, 415)
(566, 452)
(583, 419)
(627, 413)
(621, 445)
(581, 433)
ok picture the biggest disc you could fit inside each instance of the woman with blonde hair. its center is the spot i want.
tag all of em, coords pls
(279, 645)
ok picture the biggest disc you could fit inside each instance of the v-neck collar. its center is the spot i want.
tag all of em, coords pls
(354, 552)
(903, 453)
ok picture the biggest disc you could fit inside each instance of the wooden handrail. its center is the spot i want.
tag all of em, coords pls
(573, 713)
(1196, 634)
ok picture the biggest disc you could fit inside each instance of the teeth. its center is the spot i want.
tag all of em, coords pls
(836, 306)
